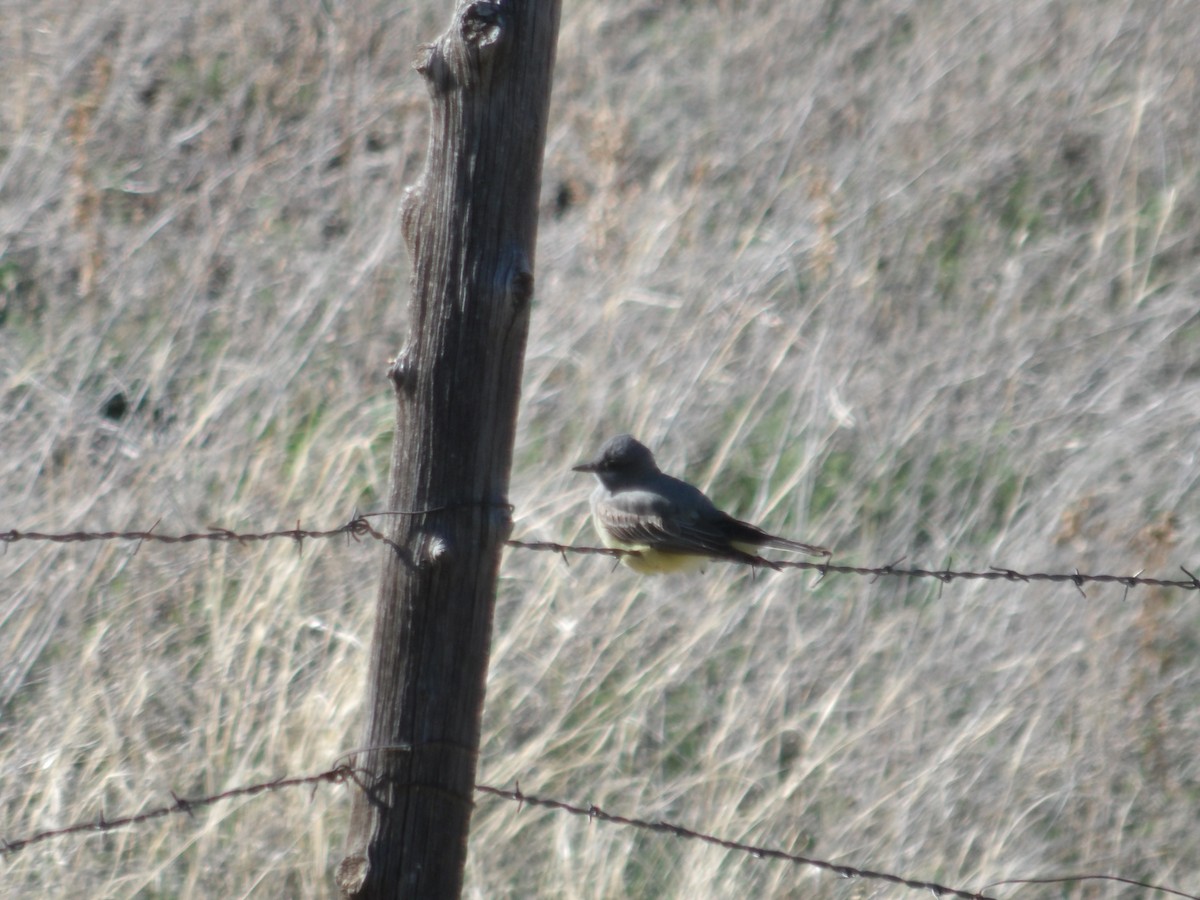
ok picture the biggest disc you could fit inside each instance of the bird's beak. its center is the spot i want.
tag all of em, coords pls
(590, 466)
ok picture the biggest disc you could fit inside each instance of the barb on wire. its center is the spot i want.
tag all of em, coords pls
(563, 549)
(343, 773)
(359, 527)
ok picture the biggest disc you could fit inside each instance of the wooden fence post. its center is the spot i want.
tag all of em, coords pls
(470, 223)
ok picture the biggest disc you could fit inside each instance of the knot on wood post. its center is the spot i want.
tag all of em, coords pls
(436, 70)
(520, 286)
(352, 874)
(410, 208)
(436, 551)
(401, 372)
(500, 514)
(483, 23)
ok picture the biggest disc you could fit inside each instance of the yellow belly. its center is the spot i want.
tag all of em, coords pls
(650, 561)
(655, 562)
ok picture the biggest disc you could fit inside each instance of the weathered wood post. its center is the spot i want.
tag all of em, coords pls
(470, 223)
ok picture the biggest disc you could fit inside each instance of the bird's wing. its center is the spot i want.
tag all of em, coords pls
(652, 519)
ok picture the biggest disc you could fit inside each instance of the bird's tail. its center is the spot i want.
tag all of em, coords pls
(779, 543)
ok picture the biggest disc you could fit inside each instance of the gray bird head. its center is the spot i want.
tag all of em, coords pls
(621, 458)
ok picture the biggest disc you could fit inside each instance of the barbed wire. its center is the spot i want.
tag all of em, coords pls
(896, 570)
(344, 773)
(842, 871)
(664, 827)
(178, 805)
(359, 527)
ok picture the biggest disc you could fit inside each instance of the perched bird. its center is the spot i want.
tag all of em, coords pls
(671, 524)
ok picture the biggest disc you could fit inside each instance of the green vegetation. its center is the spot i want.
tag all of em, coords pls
(908, 280)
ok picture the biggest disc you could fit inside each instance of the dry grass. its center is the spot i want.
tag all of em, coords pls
(904, 279)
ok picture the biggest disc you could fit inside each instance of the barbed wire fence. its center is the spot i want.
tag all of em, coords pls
(347, 773)
(359, 527)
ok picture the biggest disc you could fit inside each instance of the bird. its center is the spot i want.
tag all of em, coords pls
(672, 525)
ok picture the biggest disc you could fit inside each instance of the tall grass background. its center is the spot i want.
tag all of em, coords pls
(905, 279)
